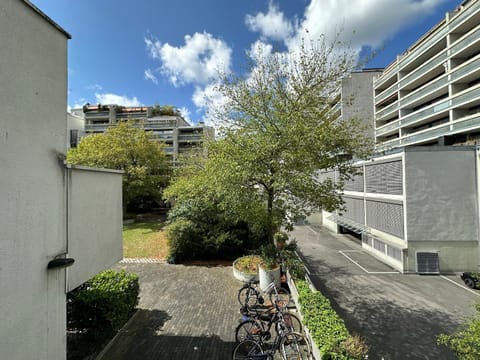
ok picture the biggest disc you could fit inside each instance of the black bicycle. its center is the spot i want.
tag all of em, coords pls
(250, 296)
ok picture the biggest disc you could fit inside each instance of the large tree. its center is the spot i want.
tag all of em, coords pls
(281, 132)
(129, 148)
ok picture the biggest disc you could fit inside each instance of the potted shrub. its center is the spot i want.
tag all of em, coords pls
(272, 257)
(269, 267)
(245, 268)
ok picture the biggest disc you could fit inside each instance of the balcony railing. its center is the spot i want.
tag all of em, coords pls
(467, 40)
(421, 92)
(390, 71)
(97, 127)
(464, 14)
(386, 93)
(424, 113)
(471, 121)
(465, 69)
(426, 135)
(190, 137)
(439, 59)
(387, 145)
(382, 130)
(427, 44)
(388, 110)
(466, 97)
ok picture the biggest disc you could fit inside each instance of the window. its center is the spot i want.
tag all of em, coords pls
(73, 138)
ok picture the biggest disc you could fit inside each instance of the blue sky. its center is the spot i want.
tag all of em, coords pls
(168, 52)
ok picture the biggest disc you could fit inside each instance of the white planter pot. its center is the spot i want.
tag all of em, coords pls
(267, 276)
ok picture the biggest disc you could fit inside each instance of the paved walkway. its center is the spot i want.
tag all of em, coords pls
(185, 313)
(399, 315)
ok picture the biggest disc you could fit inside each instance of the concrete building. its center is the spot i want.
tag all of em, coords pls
(415, 203)
(431, 93)
(75, 129)
(50, 214)
(410, 213)
(172, 129)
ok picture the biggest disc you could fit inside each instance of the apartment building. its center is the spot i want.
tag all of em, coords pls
(431, 93)
(415, 203)
(166, 126)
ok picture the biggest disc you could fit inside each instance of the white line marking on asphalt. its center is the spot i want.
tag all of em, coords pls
(460, 285)
(309, 228)
(361, 267)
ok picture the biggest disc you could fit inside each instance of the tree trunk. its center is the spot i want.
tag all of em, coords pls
(270, 221)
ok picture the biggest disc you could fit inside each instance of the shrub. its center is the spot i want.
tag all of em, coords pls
(200, 230)
(328, 330)
(465, 343)
(104, 303)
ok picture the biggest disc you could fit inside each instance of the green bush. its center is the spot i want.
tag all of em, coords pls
(200, 230)
(465, 343)
(104, 303)
(328, 330)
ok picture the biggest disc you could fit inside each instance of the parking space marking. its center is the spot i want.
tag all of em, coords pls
(309, 228)
(361, 267)
(460, 285)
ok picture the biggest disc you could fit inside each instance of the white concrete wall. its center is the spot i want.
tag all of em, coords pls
(95, 222)
(33, 100)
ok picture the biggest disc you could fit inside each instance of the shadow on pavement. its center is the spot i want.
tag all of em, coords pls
(144, 339)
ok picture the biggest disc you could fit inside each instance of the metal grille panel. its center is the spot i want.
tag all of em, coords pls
(394, 252)
(355, 184)
(428, 263)
(354, 210)
(384, 178)
(386, 217)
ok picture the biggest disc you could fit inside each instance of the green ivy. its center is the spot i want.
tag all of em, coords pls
(327, 329)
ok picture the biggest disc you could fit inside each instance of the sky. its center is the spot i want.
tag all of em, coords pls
(147, 52)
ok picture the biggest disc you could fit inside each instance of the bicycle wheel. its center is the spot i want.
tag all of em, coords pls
(280, 296)
(247, 296)
(295, 346)
(292, 322)
(249, 330)
(247, 349)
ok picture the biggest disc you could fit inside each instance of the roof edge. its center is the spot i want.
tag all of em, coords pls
(47, 18)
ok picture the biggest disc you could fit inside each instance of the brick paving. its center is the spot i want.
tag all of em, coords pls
(185, 312)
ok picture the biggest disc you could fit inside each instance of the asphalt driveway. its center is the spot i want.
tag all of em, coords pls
(399, 315)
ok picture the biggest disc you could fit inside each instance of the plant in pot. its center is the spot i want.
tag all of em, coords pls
(275, 259)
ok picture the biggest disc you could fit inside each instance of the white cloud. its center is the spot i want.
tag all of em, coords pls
(110, 99)
(211, 102)
(148, 75)
(272, 25)
(259, 49)
(185, 114)
(197, 62)
(364, 22)
(95, 87)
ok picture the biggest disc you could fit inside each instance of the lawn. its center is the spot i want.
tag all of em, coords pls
(144, 240)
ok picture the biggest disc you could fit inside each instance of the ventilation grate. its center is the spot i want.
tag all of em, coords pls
(428, 263)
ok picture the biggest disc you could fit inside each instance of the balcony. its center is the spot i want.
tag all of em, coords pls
(467, 123)
(96, 127)
(388, 128)
(426, 135)
(388, 73)
(386, 93)
(159, 124)
(434, 109)
(468, 97)
(463, 15)
(90, 115)
(470, 39)
(465, 69)
(424, 46)
(421, 93)
(386, 145)
(386, 111)
(193, 137)
(417, 73)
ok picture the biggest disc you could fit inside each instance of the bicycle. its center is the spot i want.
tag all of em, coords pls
(291, 345)
(257, 324)
(249, 296)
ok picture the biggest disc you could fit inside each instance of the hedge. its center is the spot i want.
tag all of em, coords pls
(327, 329)
(104, 303)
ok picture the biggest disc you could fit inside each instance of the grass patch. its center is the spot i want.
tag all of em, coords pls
(145, 240)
